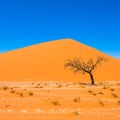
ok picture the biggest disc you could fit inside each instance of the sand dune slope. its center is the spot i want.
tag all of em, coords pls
(45, 62)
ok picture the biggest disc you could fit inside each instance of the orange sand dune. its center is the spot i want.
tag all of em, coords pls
(46, 62)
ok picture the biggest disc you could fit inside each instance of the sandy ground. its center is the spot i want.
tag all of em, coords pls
(59, 101)
(45, 62)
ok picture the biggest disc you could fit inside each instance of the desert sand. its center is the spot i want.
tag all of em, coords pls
(46, 62)
(59, 101)
(34, 85)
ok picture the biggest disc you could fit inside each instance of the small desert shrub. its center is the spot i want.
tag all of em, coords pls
(76, 113)
(45, 84)
(57, 83)
(67, 85)
(38, 84)
(101, 93)
(59, 86)
(6, 106)
(74, 83)
(30, 93)
(12, 91)
(119, 102)
(90, 91)
(82, 86)
(32, 83)
(36, 87)
(5, 87)
(118, 83)
(56, 103)
(101, 103)
(1, 88)
(101, 83)
(94, 94)
(76, 100)
(114, 95)
(105, 87)
(112, 89)
(21, 94)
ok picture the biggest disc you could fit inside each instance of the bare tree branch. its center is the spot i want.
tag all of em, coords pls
(85, 67)
(98, 61)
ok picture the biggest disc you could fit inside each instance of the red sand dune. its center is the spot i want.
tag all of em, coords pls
(45, 62)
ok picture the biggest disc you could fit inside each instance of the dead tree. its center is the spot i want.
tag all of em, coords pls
(77, 65)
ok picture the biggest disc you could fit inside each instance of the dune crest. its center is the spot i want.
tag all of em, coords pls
(45, 62)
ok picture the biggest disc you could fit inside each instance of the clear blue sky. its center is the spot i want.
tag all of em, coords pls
(92, 22)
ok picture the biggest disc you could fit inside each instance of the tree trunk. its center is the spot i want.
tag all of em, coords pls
(92, 79)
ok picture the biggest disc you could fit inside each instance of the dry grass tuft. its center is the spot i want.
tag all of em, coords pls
(59, 86)
(5, 87)
(118, 102)
(76, 100)
(90, 91)
(100, 93)
(101, 103)
(114, 95)
(20, 94)
(76, 113)
(12, 91)
(105, 87)
(94, 94)
(30, 93)
(56, 103)
(112, 89)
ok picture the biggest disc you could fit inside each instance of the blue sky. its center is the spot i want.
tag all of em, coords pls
(92, 22)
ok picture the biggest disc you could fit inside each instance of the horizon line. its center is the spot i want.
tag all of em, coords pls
(109, 53)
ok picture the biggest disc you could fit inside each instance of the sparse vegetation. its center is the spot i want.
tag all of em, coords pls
(112, 89)
(5, 87)
(82, 86)
(90, 91)
(38, 87)
(59, 86)
(12, 91)
(30, 93)
(76, 100)
(100, 93)
(101, 103)
(101, 83)
(25, 89)
(21, 94)
(56, 103)
(119, 102)
(6, 106)
(94, 94)
(105, 87)
(67, 85)
(114, 95)
(74, 83)
(76, 113)
(45, 84)
(72, 100)
(118, 83)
